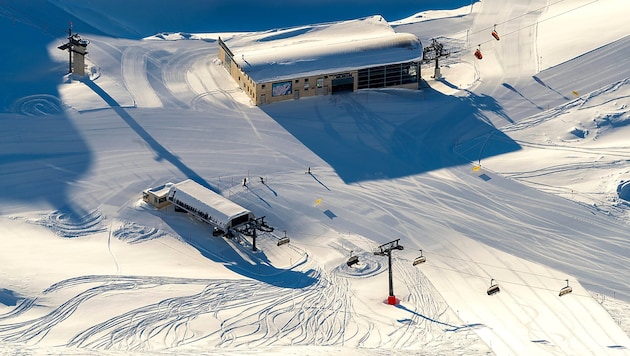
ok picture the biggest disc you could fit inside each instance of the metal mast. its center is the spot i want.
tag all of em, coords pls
(386, 250)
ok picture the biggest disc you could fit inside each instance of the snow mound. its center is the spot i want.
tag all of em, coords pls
(8, 297)
(613, 119)
(579, 132)
(623, 190)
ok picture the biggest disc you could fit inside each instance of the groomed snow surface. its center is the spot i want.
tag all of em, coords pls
(511, 170)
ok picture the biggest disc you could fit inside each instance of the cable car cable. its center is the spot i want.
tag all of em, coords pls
(527, 13)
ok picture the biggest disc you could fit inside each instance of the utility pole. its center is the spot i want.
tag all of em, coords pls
(386, 250)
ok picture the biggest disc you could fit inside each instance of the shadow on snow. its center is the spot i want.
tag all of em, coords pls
(392, 133)
(236, 256)
(451, 327)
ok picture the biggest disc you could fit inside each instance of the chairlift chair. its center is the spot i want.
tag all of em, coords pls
(353, 260)
(565, 290)
(494, 288)
(283, 240)
(494, 33)
(478, 53)
(420, 259)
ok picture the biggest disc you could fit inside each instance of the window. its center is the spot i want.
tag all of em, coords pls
(387, 76)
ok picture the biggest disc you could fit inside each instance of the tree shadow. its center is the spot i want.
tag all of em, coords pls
(386, 134)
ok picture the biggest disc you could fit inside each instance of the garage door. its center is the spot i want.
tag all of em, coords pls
(342, 84)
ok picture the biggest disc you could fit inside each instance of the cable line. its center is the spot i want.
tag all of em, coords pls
(525, 14)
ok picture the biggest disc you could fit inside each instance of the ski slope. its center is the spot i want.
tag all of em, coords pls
(512, 169)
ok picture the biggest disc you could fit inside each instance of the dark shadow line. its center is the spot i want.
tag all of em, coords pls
(318, 181)
(259, 197)
(400, 306)
(452, 327)
(539, 81)
(508, 86)
(268, 187)
(160, 151)
(447, 83)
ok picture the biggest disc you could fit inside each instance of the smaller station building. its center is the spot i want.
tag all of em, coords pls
(322, 59)
(201, 202)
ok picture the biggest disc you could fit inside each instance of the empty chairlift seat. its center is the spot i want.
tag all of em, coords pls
(353, 260)
(495, 34)
(284, 240)
(565, 290)
(494, 288)
(420, 259)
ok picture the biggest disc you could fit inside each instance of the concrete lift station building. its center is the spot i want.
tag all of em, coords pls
(322, 59)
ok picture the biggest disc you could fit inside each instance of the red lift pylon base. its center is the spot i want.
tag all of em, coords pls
(392, 300)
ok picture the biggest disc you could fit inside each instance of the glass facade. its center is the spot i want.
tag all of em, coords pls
(388, 75)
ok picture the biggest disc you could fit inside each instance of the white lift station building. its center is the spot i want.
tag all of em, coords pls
(322, 59)
(201, 202)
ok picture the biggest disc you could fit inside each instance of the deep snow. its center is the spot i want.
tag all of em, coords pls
(513, 168)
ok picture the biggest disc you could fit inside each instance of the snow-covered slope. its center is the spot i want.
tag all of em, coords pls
(498, 171)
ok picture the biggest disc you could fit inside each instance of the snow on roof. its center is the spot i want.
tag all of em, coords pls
(220, 209)
(161, 190)
(324, 48)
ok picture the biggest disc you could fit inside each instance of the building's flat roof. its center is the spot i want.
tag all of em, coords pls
(205, 200)
(161, 190)
(320, 49)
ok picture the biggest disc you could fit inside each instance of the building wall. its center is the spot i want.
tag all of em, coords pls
(155, 200)
(78, 60)
(296, 88)
(299, 87)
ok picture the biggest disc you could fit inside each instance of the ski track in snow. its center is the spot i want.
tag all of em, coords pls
(252, 314)
(249, 313)
(68, 224)
(38, 105)
(135, 233)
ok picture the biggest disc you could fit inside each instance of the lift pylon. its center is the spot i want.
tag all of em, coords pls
(386, 250)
